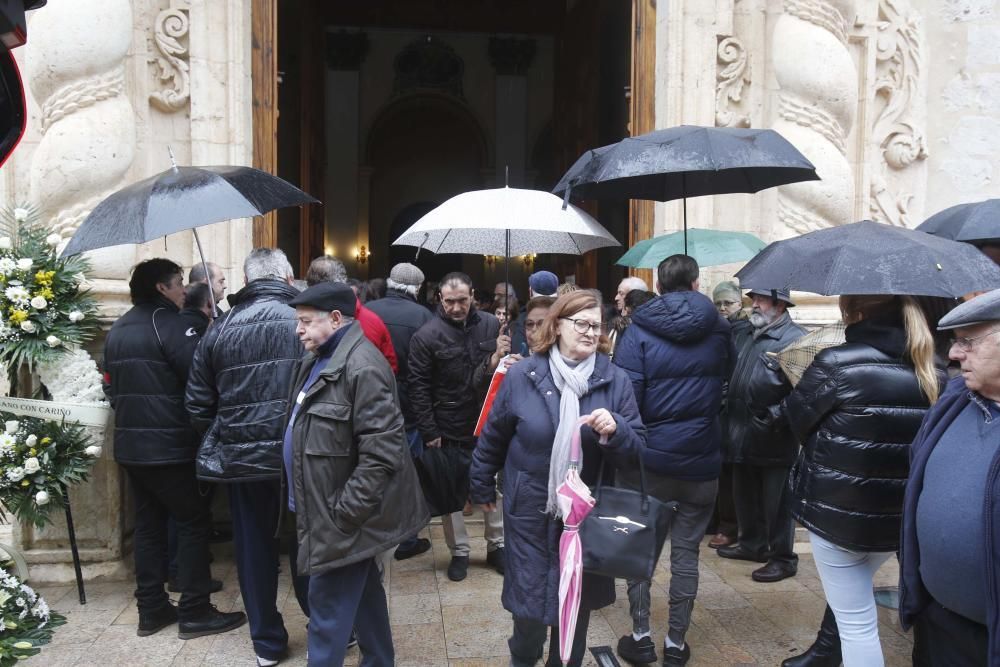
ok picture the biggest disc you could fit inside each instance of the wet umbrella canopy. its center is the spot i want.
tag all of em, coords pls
(978, 221)
(709, 247)
(871, 258)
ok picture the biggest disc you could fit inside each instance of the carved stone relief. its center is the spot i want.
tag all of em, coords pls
(170, 30)
(428, 64)
(732, 77)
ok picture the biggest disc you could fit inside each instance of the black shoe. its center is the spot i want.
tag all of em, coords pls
(773, 572)
(458, 568)
(642, 652)
(825, 651)
(173, 587)
(152, 622)
(220, 536)
(498, 559)
(414, 549)
(212, 622)
(737, 552)
(676, 656)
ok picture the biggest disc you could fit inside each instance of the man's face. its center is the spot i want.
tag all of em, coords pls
(623, 289)
(173, 290)
(977, 351)
(500, 291)
(314, 327)
(765, 310)
(456, 300)
(218, 283)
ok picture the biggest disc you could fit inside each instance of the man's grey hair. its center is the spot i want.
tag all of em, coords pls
(634, 282)
(326, 269)
(267, 263)
(197, 273)
(402, 288)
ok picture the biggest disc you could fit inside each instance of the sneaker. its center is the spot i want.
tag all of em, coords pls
(676, 656)
(266, 662)
(412, 549)
(153, 621)
(212, 622)
(642, 652)
(498, 559)
(215, 586)
(352, 641)
(458, 568)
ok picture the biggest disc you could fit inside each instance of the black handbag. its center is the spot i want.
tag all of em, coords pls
(623, 534)
(444, 478)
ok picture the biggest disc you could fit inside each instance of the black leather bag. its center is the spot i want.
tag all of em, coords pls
(623, 535)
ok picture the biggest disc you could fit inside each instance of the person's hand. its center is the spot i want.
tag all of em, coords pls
(503, 347)
(489, 507)
(603, 422)
(434, 444)
(511, 360)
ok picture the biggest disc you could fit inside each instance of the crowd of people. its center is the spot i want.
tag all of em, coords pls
(312, 404)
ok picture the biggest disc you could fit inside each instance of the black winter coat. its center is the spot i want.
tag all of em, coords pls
(147, 357)
(402, 316)
(518, 438)
(237, 394)
(754, 431)
(856, 410)
(448, 374)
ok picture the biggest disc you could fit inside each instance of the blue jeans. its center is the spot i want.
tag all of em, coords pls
(344, 598)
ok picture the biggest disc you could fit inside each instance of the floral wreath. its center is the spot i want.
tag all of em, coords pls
(26, 622)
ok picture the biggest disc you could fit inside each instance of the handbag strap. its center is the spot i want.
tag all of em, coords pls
(575, 452)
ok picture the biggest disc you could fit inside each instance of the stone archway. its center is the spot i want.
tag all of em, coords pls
(425, 147)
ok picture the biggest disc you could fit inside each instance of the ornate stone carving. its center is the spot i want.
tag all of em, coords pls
(428, 64)
(510, 55)
(896, 131)
(817, 104)
(730, 81)
(169, 29)
(80, 94)
(346, 50)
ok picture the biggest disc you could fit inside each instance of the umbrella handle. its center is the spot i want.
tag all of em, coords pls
(566, 193)
(427, 235)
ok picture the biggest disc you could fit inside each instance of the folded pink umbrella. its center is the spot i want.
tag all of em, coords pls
(575, 503)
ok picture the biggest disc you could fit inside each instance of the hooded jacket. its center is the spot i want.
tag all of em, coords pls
(237, 394)
(678, 354)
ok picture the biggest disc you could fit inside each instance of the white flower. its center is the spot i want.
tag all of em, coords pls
(7, 443)
(42, 498)
(39, 303)
(25, 263)
(76, 316)
(31, 465)
(17, 293)
(20, 214)
(52, 341)
(7, 265)
(53, 239)
(93, 451)
(15, 474)
(12, 426)
(6, 243)
(28, 326)
(31, 440)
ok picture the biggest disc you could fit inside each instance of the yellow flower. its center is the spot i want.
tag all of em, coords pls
(33, 452)
(46, 293)
(25, 482)
(18, 316)
(46, 440)
(21, 645)
(11, 624)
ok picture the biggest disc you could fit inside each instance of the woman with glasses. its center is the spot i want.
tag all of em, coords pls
(856, 410)
(528, 436)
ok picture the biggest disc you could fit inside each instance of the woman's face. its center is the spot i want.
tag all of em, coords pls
(533, 325)
(578, 334)
(501, 314)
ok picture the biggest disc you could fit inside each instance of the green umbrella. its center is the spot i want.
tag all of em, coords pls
(708, 246)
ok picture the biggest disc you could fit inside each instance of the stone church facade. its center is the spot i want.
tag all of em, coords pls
(896, 102)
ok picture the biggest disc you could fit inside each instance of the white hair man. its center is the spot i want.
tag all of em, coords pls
(627, 285)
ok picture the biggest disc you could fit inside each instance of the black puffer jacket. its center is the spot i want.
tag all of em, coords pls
(754, 431)
(856, 411)
(147, 356)
(448, 374)
(237, 395)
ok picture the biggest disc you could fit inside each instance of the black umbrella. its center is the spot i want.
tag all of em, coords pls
(686, 161)
(871, 258)
(179, 199)
(978, 221)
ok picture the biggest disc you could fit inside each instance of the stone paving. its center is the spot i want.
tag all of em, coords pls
(438, 622)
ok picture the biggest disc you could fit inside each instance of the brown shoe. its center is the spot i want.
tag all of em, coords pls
(720, 540)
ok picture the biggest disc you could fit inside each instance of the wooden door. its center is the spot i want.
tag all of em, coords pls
(642, 116)
(264, 78)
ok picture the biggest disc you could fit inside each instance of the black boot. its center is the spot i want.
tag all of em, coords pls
(825, 651)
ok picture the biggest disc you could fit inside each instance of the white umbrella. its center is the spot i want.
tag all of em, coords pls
(507, 221)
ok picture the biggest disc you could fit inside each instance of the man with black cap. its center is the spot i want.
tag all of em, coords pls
(758, 441)
(949, 556)
(348, 475)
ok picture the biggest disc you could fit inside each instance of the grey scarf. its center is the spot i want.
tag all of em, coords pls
(572, 383)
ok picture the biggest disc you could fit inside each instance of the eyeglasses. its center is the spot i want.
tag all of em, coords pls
(724, 304)
(530, 325)
(967, 343)
(583, 326)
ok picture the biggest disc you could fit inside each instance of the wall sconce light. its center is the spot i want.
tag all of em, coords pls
(529, 260)
(329, 251)
(491, 260)
(361, 255)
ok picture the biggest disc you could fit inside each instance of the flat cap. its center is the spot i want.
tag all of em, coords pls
(982, 309)
(543, 283)
(779, 294)
(328, 297)
(406, 274)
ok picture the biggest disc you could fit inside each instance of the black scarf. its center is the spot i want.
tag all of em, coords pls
(886, 334)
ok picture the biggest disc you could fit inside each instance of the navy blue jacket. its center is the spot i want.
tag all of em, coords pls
(518, 438)
(679, 354)
(913, 597)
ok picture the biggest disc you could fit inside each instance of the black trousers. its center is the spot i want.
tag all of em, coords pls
(528, 639)
(163, 492)
(763, 511)
(724, 518)
(942, 638)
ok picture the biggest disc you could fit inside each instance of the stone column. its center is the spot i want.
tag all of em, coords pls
(511, 59)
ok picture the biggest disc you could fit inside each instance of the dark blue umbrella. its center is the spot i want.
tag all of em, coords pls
(871, 258)
(977, 221)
